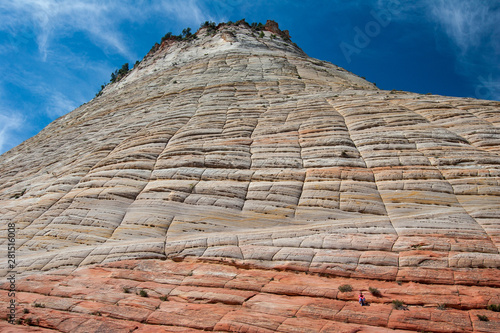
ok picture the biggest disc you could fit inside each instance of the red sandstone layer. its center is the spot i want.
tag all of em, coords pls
(224, 296)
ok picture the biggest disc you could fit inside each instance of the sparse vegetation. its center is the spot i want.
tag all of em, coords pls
(210, 26)
(26, 311)
(143, 293)
(126, 290)
(257, 26)
(375, 292)
(38, 305)
(163, 298)
(118, 74)
(483, 317)
(494, 307)
(187, 35)
(168, 35)
(242, 21)
(345, 288)
(99, 93)
(398, 304)
(441, 306)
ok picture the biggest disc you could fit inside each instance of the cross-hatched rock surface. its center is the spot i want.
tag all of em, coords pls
(235, 146)
(231, 296)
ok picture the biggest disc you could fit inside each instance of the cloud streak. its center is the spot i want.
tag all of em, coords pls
(57, 72)
(53, 19)
(467, 23)
(100, 21)
(474, 30)
(10, 123)
(466, 29)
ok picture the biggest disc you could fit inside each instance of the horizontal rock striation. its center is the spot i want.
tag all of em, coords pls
(236, 146)
(199, 295)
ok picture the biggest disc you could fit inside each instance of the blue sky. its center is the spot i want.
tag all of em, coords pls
(56, 54)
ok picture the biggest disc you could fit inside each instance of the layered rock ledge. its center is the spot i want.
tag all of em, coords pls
(228, 296)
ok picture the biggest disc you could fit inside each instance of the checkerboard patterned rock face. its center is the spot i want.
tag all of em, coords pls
(240, 147)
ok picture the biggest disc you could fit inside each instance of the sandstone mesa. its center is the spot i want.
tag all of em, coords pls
(244, 181)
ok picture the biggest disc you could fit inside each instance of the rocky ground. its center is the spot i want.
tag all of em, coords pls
(196, 295)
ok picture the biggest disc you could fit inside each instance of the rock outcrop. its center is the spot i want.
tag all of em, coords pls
(196, 295)
(235, 146)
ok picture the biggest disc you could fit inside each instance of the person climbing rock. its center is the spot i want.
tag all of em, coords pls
(362, 299)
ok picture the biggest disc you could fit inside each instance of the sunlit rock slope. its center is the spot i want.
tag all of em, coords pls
(238, 146)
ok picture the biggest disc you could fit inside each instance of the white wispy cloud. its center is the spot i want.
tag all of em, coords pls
(469, 30)
(10, 123)
(59, 104)
(54, 19)
(53, 77)
(467, 22)
(188, 11)
(474, 30)
(50, 20)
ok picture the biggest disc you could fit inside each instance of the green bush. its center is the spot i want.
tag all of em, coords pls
(494, 307)
(345, 288)
(483, 317)
(143, 293)
(186, 33)
(257, 26)
(208, 24)
(375, 292)
(118, 74)
(168, 35)
(398, 304)
(261, 35)
(211, 27)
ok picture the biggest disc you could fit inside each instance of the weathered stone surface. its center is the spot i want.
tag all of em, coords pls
(246, 152)
(257, 300)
